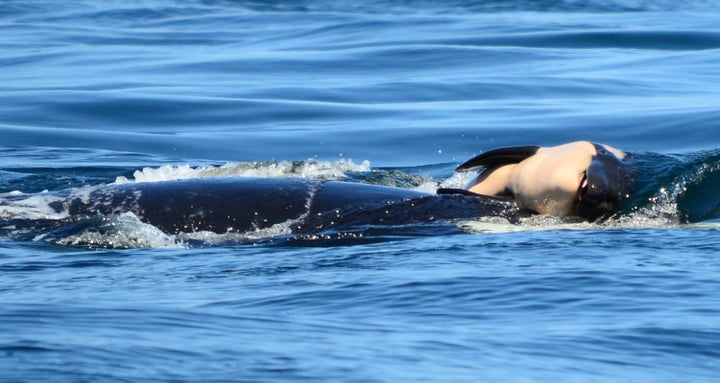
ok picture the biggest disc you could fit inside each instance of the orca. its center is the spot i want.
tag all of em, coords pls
(243, 204)
(582, 178)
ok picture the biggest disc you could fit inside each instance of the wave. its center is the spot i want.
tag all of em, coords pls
(670, 191)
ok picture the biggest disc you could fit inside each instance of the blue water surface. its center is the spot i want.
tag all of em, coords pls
(92, 91)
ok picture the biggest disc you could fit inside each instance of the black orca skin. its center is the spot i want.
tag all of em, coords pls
(242, 204)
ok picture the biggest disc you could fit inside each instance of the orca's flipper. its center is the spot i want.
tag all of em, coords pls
(498, 157)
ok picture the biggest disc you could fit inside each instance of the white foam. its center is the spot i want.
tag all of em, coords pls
(211, 238)
(459, 180)
(34, 206)
(123, 231)
(533, 223)
(640, 219)
(267, 169)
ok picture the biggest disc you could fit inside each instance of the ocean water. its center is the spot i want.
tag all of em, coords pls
(384, 92)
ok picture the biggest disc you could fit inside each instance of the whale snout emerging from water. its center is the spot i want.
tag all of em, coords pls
(576, 179)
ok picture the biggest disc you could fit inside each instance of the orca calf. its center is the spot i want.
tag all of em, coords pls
(580, 178)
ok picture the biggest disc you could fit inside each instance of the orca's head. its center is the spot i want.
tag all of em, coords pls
(575, 179)
(604, 185)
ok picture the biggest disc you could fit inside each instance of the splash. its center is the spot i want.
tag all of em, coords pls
(678, 189)
(18, 205)
(700, 196)
(121, 231)
(455, 181)
(268, 169)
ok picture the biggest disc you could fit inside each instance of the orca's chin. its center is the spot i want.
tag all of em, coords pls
(598, 196)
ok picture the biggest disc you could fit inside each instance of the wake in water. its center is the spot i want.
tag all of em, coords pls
(669, 191)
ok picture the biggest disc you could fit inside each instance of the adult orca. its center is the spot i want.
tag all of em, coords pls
(242, 204)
